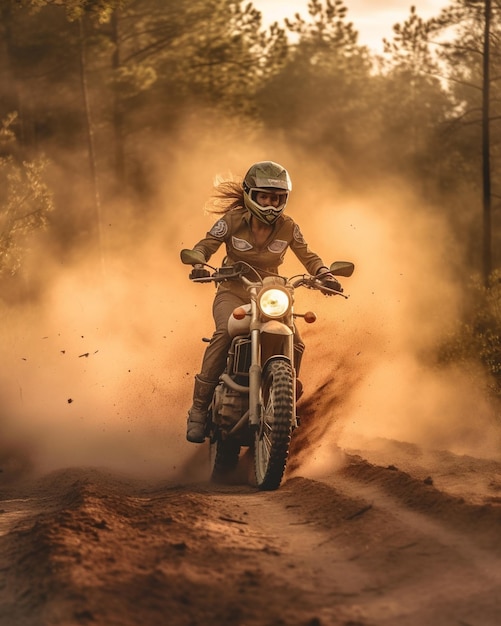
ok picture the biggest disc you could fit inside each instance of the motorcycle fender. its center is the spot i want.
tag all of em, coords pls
(276, 357)
(276, 340)
(275, 328)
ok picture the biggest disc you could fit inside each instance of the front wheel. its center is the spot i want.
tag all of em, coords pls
(273, 438)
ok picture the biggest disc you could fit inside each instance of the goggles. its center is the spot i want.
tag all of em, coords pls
(273, 196)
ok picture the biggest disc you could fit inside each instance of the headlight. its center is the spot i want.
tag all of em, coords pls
(274, 302)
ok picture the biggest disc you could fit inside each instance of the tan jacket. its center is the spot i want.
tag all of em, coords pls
(234, 230)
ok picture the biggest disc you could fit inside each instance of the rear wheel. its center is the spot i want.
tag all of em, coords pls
(273, 438)
(224, 455)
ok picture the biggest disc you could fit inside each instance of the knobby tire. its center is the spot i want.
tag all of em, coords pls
(224, 458)
(273, 438)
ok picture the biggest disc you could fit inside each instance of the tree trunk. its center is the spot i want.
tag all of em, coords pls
(10, 101)
(91, 144)
(486, 162)
(118, 117)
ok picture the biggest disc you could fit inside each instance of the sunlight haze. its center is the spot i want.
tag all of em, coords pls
(373, 19)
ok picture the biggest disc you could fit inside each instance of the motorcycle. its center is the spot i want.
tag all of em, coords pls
(254, 403)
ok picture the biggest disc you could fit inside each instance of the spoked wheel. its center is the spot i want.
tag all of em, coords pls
(224, 455)
(273, 438)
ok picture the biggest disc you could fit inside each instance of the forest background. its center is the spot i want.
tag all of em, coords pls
(93, 91)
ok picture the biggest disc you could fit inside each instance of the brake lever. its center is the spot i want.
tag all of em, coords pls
(333, 292)
(202, 279)
(312, 282)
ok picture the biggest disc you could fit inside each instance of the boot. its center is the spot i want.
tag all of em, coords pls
(197, 415)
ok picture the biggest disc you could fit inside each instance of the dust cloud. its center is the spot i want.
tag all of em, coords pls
(99, 370)
(376, 363)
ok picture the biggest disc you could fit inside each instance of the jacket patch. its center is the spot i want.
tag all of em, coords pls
(219, 229)
(277, 246)
(241, 244)
(298, 235)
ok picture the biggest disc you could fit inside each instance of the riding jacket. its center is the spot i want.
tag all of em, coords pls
(234, 230)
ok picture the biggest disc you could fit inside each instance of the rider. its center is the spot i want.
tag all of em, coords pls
(254, 229)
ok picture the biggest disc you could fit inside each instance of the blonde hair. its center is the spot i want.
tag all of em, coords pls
(227, 195)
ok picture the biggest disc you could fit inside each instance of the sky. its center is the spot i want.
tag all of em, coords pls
(373, 19)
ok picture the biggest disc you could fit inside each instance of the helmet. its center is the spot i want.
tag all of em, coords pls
(266, 176)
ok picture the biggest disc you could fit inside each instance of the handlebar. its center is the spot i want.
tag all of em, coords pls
(219, 275)
(237, 271)
(313, 282)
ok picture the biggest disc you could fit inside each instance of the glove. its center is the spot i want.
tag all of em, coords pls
(331, 283)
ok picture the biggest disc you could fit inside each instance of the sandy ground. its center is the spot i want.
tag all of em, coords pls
(394, 535)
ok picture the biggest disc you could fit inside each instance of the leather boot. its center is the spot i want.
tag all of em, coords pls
(197, 415)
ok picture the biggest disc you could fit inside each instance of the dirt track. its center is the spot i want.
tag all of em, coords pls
(393, 537)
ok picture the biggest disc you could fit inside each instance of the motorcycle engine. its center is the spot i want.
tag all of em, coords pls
(229, 406)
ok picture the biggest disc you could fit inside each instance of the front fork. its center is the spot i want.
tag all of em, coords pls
(255, 399)
(255, 370)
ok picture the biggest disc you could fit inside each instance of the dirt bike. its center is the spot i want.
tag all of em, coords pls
(254, 404)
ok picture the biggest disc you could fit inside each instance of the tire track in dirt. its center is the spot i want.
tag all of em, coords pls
(369, 545)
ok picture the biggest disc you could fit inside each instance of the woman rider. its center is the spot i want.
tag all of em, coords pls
(254, 229)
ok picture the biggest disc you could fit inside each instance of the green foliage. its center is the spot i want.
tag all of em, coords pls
(326, 31)
(76, 9)
(319, 95)
(414, 105)
(191, 54)
(478, 335)
(224, 62)
(410, 48)
(25, 201)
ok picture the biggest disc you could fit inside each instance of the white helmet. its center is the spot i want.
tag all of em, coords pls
(266, 176)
